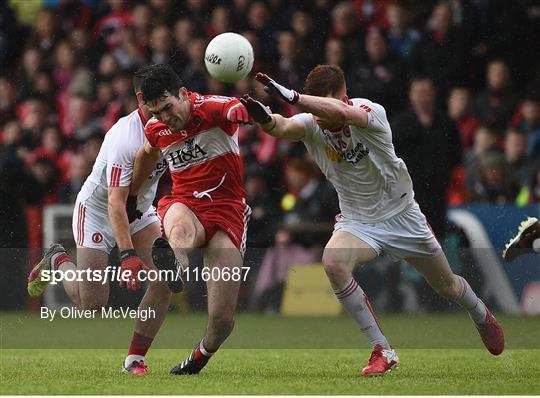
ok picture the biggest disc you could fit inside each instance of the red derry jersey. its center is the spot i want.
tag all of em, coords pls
(204, 158)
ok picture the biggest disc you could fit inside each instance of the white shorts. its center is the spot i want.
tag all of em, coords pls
(405, 235)
(92, 229)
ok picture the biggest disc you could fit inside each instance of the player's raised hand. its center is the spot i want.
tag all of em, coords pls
(257, 110)
(238, 114)
(273, 88)
(130, 265)
(131, 209)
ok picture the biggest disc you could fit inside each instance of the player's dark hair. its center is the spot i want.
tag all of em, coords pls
(324, 80)
(156, 81)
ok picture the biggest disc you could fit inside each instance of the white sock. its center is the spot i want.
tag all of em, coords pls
(470, 301)
(204, 351)
(536, 245)
(356, 303)
(131, 358)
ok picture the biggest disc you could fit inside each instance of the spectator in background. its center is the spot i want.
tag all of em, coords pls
(308, 44)
(496, 184)
(495, 105)
(440, 53)
(81, 43)
(161, 47)
(401, 38)
(308, 200)
(51, 148)
(272, 276)
(107, 66)
(34, 116)
(335, 54)
(31, 63)
(220, 19)
(515, 152)
(527, 119)
(484, 142)
(129, 53)
(194, 73)
(288, 67)
(429, 143)
(141, 23)
(8, 99)
(79, 169)
(381, 77)
(182, 34)
(45, 34)
(64, 65)
(46, 175)
(345, 28)
(83, 122)
(265, 215)
(258, 17)
(459, 106)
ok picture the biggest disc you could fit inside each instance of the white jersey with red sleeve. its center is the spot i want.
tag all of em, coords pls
(204, 158)
(372, 183)
(114, 165)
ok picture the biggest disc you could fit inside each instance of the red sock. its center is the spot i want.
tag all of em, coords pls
(60, 258)
(202, 354)
(139, 344)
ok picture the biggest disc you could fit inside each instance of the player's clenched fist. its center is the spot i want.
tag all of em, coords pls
(130, 265)
(257, 110)
(272, 87)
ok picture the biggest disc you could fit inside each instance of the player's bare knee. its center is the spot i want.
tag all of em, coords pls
(182, 235)
(335, 268)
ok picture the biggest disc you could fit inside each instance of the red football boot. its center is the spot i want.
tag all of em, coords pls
(380, 362)
(492, 334)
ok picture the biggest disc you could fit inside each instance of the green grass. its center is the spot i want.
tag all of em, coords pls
(272, 362)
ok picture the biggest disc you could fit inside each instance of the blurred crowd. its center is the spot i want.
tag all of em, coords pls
(460, 80)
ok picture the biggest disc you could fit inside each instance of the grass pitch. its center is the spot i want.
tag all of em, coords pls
(243, 366)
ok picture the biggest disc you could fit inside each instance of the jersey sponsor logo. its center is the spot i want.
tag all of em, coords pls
(189, 154)
(97, 238)
(332, 154)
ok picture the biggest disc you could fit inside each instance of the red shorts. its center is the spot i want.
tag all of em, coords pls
(231, 216)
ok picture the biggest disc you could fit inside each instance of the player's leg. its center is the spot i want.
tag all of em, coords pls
(156, 298)
(527, 240)
(222, 297)
(342, 253)
(437, 272)
(183, 230)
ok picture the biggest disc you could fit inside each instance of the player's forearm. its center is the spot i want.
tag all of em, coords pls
(142, 169)
(325, 108)
(279, 127)
(120, 224)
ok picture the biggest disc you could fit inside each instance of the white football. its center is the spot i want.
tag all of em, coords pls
(229, 57)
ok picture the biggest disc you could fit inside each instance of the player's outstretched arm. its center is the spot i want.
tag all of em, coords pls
(329, 109)
(145, 161)
(273, 123)
(118, 217)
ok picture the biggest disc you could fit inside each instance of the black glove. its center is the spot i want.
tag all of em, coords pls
(257, 110)
(273, 88)
(131, 209)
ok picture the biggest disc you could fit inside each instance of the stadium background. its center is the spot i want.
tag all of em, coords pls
(66, 78)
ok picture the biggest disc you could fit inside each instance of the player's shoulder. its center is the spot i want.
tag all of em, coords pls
(209, 105)
(365, 104)
(130, 125)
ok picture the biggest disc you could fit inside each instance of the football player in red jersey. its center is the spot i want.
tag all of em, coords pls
(198, 137)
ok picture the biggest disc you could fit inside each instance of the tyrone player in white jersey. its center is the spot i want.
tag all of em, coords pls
(351, 141)
(100, 221)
